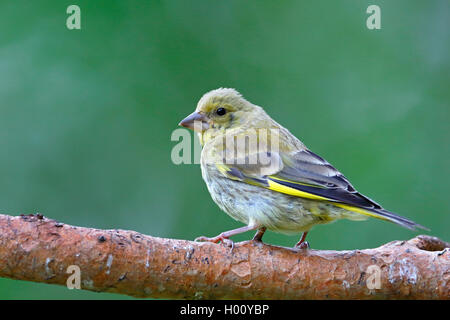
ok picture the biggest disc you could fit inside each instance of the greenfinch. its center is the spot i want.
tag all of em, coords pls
(262, 175)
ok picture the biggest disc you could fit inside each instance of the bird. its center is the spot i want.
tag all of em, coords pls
(260, 174)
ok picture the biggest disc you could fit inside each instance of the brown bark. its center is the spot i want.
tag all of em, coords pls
(38, 249)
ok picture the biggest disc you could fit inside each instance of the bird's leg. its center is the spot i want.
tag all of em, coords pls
(224, 236)
(259, 234)
(302, 244)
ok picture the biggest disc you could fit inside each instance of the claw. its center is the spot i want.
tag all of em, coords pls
(302, 245)
(229, 243)
(220, 238)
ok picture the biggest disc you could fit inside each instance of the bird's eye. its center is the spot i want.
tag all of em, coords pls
(221, 111)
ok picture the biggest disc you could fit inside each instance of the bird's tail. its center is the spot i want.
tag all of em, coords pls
(384, 215)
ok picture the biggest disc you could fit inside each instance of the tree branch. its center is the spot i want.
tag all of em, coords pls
(38, 249)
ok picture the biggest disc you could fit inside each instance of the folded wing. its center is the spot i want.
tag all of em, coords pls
(307, 175)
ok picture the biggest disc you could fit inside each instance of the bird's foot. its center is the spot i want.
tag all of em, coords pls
(302, 245)
(220, 238)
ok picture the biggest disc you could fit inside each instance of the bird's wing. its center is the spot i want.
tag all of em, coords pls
(308, 172)
(302, 174)
(307, 175)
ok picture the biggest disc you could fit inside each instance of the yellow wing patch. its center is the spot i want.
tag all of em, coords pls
(293, 192)
(222, 168)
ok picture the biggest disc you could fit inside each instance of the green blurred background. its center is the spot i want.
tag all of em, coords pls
(86, 115)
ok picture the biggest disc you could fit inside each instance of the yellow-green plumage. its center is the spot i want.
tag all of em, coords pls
(293, 190)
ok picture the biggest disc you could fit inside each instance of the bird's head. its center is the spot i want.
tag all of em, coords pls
(219, 109)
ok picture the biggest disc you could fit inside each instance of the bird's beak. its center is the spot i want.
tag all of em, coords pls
(195, 121)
